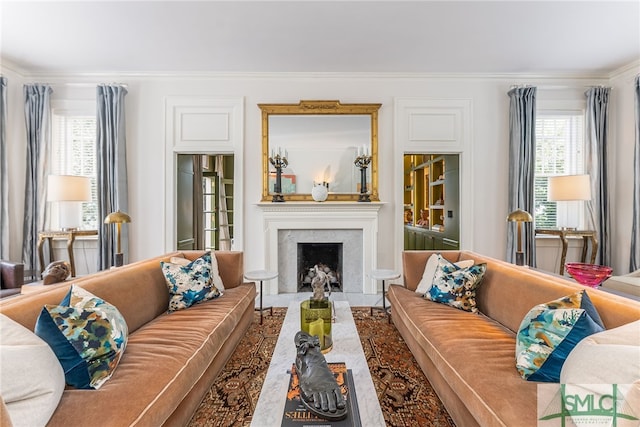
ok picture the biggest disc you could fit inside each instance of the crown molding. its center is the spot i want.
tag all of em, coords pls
(632, 68)
(9, 65)
(67, 76)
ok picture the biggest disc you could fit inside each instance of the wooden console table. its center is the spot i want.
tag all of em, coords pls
(70, 236)
(587, 235)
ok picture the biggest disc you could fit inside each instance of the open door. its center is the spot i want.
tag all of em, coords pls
(204, 211)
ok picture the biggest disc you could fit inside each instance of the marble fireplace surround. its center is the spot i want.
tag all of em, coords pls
(284, 223)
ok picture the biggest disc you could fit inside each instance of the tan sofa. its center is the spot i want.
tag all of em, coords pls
(170, 360)
(470, 359)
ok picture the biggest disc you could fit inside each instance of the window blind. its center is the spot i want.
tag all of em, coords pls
(73, 152)
(559, 151)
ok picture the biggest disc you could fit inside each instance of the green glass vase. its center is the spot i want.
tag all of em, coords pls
(315, 319)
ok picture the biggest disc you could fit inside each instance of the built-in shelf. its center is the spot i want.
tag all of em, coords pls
(431, 188)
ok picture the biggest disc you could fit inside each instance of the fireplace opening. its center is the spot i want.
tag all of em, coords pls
(327, 256)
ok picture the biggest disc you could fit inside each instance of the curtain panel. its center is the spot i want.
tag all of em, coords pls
(4, 173)
(111, 168)
(522, 149)
(599, 206)
(634, 258)
(37, 110)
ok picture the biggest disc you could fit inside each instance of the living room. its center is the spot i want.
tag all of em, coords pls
(196, 75)
(149, 148)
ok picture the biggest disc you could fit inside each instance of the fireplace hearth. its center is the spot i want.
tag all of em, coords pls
(326, 256)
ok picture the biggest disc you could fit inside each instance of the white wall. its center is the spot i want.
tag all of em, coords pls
(145, 117)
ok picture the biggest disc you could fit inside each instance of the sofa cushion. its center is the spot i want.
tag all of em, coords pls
(87, 334)
(189, 284)
(456, 286)
(430, 271)
(550, 331)
(31, 378)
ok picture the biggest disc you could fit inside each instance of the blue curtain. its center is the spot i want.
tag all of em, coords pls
(634, 258)
(522, 150)
(4, 173)
(111, 170)
(37, 111)
(597, 159)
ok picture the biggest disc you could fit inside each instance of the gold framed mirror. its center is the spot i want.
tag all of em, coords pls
(321, 140)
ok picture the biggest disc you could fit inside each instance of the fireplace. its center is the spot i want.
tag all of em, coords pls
(326, 257)
(354, 225)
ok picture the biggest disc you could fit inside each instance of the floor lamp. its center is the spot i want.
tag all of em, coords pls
(519, 216)
(118, 218)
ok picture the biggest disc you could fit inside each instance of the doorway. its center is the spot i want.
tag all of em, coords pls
(431, 191)
(205, 201)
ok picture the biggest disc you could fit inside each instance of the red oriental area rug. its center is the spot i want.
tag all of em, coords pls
(404, 393)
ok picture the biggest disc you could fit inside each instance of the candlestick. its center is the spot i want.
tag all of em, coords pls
(279, 162)
(362, 162)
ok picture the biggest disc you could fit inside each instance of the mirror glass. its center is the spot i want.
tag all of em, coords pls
(321, 140)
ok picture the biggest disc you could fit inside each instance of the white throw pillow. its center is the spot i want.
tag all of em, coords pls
(215, 272)
(608, 357)
(31, 377)
(430, 271)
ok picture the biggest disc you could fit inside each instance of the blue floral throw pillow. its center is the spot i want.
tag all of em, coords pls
(189, 284)
(456, 286)
(550, 331)
(88, 336)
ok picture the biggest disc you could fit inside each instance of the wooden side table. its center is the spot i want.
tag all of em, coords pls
(383, 275)
(261, 275)
(587, 236)
(70, 236)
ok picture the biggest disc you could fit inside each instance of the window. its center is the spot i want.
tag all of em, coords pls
(73, 152)
(559, 151)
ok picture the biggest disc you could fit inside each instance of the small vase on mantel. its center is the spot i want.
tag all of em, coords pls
(320, 192)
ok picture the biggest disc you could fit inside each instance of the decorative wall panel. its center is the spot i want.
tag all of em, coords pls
(209, 125)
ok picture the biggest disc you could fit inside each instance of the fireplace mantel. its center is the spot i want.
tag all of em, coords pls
(321, 206)
(322, 216)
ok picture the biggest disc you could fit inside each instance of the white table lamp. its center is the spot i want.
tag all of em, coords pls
(569, 188)
(69, 191)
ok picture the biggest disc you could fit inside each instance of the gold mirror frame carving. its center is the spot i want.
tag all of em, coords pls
(316, 108)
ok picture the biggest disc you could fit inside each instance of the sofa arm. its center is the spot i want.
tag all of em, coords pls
(11, 275)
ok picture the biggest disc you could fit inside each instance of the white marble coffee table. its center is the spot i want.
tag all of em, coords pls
(346, 348)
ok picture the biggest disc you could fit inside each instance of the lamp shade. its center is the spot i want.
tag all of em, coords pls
(117, 217)
(519, 216)
(569, 187)
(68, 188)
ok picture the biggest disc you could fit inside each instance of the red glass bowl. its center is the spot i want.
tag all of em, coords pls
(588, 274)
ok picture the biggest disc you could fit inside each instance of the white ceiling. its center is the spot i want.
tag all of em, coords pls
(530, 37)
